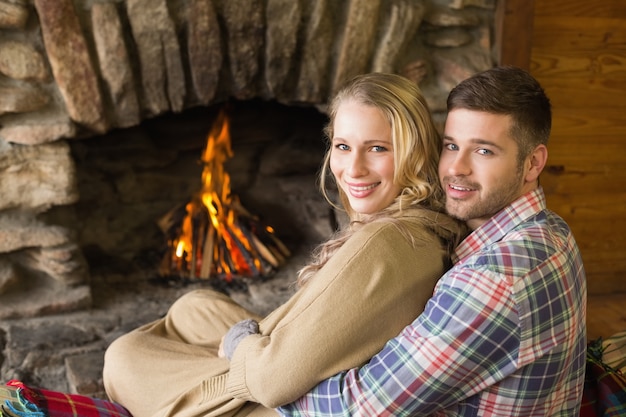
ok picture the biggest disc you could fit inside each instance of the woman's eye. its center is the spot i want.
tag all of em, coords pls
(379, 149)
(342, 147)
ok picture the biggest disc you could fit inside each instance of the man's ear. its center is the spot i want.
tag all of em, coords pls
(535, 163)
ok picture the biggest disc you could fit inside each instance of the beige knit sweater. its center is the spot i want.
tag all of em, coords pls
(377, 283)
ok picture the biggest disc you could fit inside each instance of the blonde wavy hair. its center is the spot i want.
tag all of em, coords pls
(416, 147)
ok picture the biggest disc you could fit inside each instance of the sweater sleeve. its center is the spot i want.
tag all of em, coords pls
(376, 284)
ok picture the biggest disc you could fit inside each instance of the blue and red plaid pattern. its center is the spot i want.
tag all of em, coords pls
(36, 402)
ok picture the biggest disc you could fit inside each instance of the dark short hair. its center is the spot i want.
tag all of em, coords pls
(512, 91)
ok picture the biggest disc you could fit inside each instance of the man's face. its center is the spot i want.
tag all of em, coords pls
(479, 167)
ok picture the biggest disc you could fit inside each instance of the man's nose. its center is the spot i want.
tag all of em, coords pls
(459, 165)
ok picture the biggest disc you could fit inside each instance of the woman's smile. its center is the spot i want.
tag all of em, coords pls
(361, 191)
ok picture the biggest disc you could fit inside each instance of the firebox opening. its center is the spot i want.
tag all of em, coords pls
(129, 179)
(213, 235)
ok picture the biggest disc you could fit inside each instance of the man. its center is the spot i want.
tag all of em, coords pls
(504, 333)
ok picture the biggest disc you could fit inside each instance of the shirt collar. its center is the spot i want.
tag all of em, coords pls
(502, 223)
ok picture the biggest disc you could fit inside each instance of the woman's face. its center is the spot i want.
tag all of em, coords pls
(362, 157)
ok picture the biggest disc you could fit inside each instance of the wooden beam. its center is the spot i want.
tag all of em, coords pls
(514, 32)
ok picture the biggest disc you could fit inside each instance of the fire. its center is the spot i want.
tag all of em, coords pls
(217, 235)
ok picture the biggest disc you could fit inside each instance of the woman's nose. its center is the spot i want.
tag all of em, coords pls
(357, 165)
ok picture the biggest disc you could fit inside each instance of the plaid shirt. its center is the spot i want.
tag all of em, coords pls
(503, 335)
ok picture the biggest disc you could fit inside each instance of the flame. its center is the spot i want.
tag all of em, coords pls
(217, 235)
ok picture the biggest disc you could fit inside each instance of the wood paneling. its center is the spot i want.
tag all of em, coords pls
(579, 124)
(579, 56)
(572, 34)
(606, 316)
(514, 22)
(587, 93)
(589, 8)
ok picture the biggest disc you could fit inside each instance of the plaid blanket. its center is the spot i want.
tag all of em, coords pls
(614, 351)
(23, 401)
(604, 394)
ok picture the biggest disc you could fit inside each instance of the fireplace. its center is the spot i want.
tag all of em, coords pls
(106, 107)
(137, 186)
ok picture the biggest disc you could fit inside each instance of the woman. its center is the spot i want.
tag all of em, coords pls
(360, 289)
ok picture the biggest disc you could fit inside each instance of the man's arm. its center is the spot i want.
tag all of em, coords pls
(368, 291)
(467, 339)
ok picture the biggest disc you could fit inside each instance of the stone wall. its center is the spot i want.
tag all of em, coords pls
(72, 70)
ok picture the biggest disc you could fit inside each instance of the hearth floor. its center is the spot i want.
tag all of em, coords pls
(65, 352)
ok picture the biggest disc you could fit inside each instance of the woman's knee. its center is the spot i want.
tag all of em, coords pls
(117, 357)
(203, 304)
(194, 303)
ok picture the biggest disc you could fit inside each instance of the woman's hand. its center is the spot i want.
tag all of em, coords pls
(235, 334)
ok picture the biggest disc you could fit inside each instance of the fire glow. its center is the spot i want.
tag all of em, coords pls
(217, 236)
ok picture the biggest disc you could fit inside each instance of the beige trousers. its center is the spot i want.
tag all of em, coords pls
(170, 367)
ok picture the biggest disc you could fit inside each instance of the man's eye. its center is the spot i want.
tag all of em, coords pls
(485, 152)
(450, 146)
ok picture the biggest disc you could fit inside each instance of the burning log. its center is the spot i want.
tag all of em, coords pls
(213, 234)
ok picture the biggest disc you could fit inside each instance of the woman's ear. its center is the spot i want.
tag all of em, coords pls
(535, 163)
